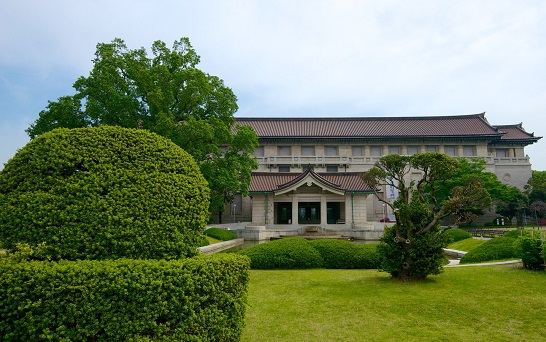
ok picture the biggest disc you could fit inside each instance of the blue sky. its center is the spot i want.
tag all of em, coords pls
(296, 58)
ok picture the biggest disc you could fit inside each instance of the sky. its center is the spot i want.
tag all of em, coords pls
(296, 58)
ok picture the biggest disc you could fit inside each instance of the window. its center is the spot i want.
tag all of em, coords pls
(284, 168)
(376, 151)
(431, 148)
(259, 151)
(394, 149)
(502, 152)
(331, 168)
(330, 151)
(308, 150)
(413, 150)
(358, 151)
(450, 150)
(469, 151)
(284, 151)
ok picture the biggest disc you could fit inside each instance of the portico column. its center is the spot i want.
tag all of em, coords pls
(323, 211)
(294, 210)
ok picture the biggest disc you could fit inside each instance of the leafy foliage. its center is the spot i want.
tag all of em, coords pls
(456, 234)
(529, 250)
(196, 299)
(103, 193)
(412, 248)
(288, 253)
(536, 186)
(168, 95)
(220, 234)
(494, 249)
(342, 254)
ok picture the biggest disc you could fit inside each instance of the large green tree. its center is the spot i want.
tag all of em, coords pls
(412, 248)
(166, 94)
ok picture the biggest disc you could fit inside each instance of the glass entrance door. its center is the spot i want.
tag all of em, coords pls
(309, 213)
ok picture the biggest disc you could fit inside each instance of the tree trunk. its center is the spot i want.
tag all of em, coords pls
(219, 217)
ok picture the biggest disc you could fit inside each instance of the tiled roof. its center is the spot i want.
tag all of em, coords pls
(433, 126)
(271, 181)
(515, 132)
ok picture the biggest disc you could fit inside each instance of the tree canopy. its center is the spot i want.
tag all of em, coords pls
(166, 94)
(103, 193)
(412, 248)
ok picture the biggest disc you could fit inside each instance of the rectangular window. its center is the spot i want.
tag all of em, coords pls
(330, 151)
(469, 151)
(358, 151)
(394, 149)
(431, 148)
(284, 151)
(308, 150)
(450, 150)
(502, 152)
(284, 168)
(376, 151)
(412, 149)
(259, 151)
(331, 168)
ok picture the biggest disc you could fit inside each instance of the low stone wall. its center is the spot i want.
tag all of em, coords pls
(217, 247)
(260, 233)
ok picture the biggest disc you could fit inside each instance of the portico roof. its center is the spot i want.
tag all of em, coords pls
(282, 182)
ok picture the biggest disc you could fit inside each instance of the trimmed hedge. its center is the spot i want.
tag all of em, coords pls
(341, 254)
(494, 249)
(288, 253)
(196, 299)
(103, 193)
(456, 234)
(220, 234)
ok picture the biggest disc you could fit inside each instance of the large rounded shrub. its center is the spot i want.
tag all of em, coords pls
(103, 193)
(495, 249)
(288, 253)
(456, 234)
(342, 254)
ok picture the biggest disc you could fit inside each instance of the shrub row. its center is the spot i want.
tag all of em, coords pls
(220, 234)
(456, 234)
(299, 253)
(197, 299)
(494, 249)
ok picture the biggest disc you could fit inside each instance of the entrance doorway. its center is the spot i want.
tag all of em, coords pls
(309, 213)
(283, 212)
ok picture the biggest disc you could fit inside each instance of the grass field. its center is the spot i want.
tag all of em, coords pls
(493, 303)
(466, 244)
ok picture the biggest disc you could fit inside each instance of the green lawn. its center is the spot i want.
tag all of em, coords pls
(499, 303)
(466, 245)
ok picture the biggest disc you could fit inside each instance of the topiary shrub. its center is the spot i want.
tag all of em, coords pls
(529, 250)
(456, 234)
(494, 249)
(288, 253)
(220, 234)
(103, 193)
(342, 254)
(195, 299)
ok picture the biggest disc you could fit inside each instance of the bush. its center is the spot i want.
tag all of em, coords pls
(456, 234)
(103, 193)
(197, 299)
(288, 253)
(341, 254)
(514, 233)
(494, 249)
(220, 234)
(529, 250)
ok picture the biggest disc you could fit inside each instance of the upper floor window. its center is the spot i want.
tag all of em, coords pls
(331, 168)
(358, 151)
(308, 150)
(376, 151)
(331, 151)
(469, 151)
(259, 151)
(413, 149)
(450, 150)
(431, 148)
(284, 168)
(284, 151)
(394, 149)
(502, 152)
